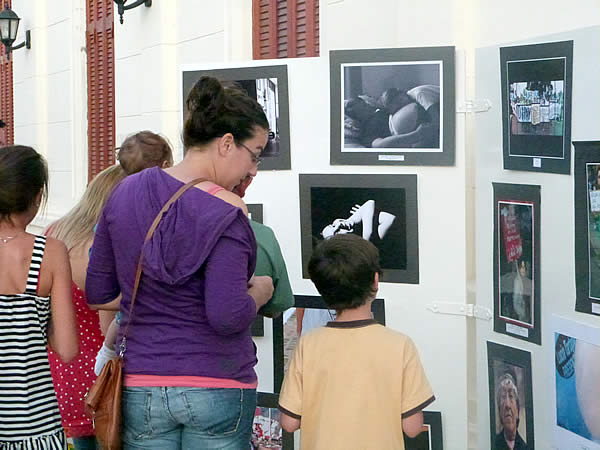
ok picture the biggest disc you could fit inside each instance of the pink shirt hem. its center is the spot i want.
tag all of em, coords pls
(184, 381)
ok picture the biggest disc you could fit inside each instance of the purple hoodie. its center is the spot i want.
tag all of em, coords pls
(192, 313)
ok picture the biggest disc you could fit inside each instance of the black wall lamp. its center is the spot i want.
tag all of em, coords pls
(9, 24)
(122, 7)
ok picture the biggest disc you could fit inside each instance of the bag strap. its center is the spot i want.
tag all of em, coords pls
(138, 274)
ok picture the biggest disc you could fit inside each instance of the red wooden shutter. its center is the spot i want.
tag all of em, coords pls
(101, 85)
(7, 134)
(285, 28)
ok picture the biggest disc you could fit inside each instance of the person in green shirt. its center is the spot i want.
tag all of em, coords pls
(269, 262)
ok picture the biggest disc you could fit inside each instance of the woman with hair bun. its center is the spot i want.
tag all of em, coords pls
(36, 310)
(189, 379)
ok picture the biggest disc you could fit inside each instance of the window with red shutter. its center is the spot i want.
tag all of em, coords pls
(285, 28)
(101, 85)
(7, 134)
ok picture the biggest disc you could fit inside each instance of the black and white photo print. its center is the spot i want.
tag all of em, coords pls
(380, 208)
(392, 106)
(268, 85)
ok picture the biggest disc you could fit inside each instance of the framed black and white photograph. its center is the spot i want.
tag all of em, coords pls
(393, 106)
(431, 437)
(536, 106)
(309, 312)
(576, 367)
(517, 261)
(269, 86)
(587, 226)
(511, 399)
(266, 428)
(380, 208)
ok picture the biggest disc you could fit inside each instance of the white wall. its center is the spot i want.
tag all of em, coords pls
(49, 96)
(152, 44)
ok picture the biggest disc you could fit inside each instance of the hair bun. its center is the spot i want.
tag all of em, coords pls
(216, 109)
(206, 96)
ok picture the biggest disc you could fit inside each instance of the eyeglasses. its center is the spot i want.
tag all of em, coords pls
(256, 159)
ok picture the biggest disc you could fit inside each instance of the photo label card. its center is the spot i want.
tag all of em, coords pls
(515, 329)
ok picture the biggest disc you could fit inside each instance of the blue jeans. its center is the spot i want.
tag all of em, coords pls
(174, 418)
(85, 443)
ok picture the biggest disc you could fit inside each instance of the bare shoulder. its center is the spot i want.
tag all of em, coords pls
(54, 245)
(56, 251)
(232, 199)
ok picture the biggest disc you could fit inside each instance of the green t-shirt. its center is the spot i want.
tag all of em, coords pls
(270, 262)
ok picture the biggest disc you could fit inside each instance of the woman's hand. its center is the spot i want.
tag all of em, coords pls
(260, 289)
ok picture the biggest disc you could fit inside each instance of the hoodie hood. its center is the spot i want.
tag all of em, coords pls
(187, 232)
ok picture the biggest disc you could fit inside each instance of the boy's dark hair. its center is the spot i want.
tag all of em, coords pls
(215, 109)
(343, 269)
(143, 150)
(23, 175)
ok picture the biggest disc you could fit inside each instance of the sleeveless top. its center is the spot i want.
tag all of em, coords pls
(29, 415)
(72, 381)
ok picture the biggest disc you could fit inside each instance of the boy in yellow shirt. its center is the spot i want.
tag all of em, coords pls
(353, 384)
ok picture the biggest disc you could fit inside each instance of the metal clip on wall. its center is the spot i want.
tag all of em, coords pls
(461, 309)
(474, 106)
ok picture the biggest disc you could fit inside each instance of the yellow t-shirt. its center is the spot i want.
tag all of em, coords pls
(351, 383)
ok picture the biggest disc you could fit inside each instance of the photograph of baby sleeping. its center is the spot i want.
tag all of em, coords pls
(395, 106)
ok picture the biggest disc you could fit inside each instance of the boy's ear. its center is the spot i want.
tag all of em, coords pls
(376, 282)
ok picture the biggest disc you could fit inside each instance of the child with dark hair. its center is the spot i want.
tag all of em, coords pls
(35, 308)
(353, 383)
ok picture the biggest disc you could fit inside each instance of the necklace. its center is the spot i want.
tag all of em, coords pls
(7, 239)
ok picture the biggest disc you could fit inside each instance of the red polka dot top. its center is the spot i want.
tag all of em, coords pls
(73, 380)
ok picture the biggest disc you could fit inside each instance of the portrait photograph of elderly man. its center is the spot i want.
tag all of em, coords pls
(511, 411)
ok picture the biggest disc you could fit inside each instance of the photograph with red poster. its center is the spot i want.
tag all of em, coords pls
(516, 261)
